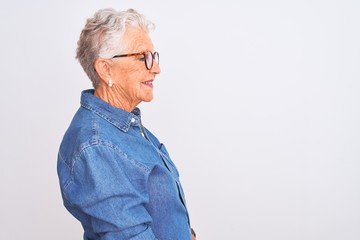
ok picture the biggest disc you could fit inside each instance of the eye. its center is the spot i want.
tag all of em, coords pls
(142, 59)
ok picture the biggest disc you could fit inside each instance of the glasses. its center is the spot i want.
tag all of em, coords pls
(149, 58)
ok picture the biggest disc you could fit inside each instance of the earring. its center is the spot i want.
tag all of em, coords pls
(110, 83)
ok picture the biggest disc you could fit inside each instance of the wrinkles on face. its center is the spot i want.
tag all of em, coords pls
(132, 81)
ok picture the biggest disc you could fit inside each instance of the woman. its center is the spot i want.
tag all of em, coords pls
(115, 176)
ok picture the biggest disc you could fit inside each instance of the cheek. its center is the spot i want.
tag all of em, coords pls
(134, 81)
(127, 76)
(134, 71)
(131, 75)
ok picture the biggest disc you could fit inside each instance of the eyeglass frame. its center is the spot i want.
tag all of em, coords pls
(153, 58)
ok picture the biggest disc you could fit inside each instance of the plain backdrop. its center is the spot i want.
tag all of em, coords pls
(258, 103)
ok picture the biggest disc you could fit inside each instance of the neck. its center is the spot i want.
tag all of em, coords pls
(115, 97)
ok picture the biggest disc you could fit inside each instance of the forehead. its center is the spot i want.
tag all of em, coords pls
(136, 39)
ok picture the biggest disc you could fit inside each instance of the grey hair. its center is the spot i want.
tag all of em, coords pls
(102, 37)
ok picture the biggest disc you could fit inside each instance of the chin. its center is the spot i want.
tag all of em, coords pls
(148, 98)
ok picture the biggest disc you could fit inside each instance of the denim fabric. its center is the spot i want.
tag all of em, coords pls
(117, 179)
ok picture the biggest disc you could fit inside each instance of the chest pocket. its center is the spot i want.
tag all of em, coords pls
(171, 167)
(167, 161)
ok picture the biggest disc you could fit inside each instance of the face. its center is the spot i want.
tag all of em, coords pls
(133, 82)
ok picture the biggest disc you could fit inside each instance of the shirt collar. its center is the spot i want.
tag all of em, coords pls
(116, 116)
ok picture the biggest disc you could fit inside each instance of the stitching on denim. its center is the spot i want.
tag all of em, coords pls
(99, 142)
(69, 180)
(94, 129)
(119, 151)
(62, 159)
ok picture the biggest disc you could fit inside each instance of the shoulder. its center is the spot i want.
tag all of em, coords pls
(92, 140)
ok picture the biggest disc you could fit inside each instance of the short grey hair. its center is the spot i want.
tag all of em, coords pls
(102, 37)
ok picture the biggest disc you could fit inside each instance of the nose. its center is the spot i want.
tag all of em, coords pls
(155, 68)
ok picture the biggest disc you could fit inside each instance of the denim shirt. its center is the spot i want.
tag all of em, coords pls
(117, 179)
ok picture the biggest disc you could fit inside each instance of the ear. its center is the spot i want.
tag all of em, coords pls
(103, 69)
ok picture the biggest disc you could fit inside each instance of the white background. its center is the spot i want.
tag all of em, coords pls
(258, 103)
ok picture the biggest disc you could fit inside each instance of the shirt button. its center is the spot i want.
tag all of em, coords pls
(133, 120)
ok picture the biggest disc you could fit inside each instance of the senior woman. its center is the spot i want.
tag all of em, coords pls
(115, 176)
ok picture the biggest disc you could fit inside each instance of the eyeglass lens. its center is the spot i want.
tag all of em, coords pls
(149, 57)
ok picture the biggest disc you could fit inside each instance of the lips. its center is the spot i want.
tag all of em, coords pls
(148, 83)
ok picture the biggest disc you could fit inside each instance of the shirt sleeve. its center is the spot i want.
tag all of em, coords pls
(108, 191)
